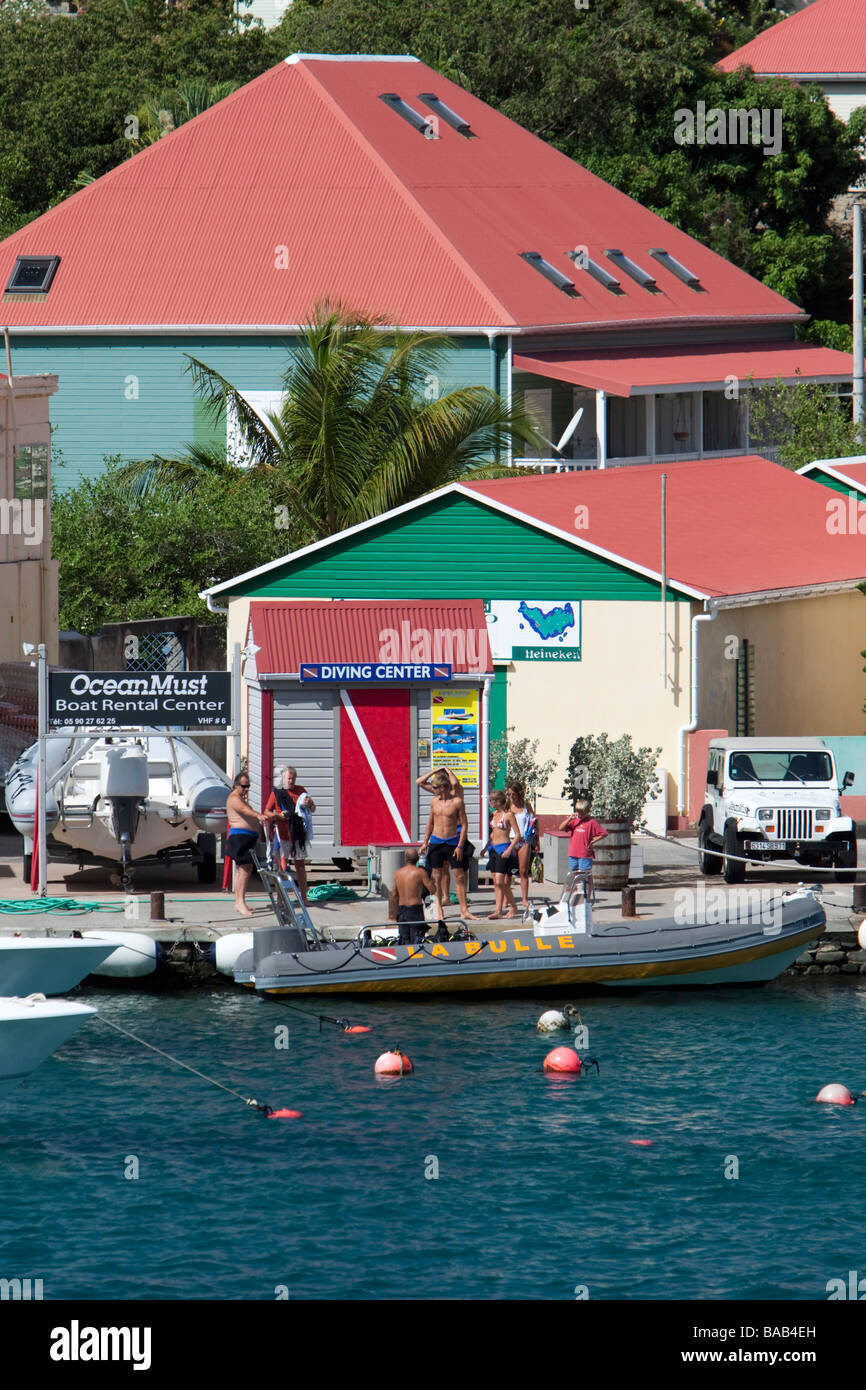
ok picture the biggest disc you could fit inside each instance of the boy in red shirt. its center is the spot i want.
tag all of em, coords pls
(585, 832)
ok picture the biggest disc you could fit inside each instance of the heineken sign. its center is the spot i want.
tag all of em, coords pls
(188, 699)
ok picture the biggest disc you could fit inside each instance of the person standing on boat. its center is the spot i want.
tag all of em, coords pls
(406, 900)
(525, 818)
(446, 840)
(504, 846)
(585, 833)
(245, 828)
(290, 809)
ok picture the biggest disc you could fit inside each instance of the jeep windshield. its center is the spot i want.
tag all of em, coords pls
(776, 765)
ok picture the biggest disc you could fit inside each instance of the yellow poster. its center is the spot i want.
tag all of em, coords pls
(455, 732)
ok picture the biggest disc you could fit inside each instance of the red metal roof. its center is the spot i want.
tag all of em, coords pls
(827, 37)
(289, 633)
(734, 525)
(621, 370)
(306, 165)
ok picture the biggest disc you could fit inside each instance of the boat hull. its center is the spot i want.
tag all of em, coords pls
(30, 1031)
(47, 964)
(662, 955)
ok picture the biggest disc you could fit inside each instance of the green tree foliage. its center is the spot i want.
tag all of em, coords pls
(362, 427)
(803, 422)
(617, 778)
(127, 557)
(67, 86)
(517, 760)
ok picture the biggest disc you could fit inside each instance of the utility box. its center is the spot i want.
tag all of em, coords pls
(554, 848)
(390, 860)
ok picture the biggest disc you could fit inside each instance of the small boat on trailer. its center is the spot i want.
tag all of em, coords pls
(559, 946)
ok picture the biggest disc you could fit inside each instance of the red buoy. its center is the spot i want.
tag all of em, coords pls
(393, 1063)
(285, 1115)
(834, 1095)
(356, 1028)
(562, 1059)
(642, 1143)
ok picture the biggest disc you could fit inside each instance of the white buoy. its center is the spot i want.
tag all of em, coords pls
(551, 1021)
(228, 949)
(136, 955)
(861, 935)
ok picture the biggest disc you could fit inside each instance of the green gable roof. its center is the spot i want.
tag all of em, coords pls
(450, 547)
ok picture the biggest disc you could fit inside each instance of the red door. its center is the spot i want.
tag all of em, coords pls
(375, 783)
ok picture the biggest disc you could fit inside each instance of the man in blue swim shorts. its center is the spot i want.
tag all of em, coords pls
(244, 833)
(446, 841)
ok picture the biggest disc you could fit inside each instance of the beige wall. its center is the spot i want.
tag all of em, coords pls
(28, 576)
(808, 669)
(617, 688)
(237, 621)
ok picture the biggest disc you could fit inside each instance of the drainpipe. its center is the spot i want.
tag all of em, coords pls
(706, 617)
(601, 426)
(857, 383)
(485, 758)
(214, 607)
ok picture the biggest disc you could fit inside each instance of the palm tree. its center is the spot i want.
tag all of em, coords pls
(159, 115)
(361, 427)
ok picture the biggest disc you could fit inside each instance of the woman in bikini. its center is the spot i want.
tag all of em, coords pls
(523, 814)
(503, 854)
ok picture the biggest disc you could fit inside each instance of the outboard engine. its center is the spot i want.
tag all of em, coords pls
(123, 782)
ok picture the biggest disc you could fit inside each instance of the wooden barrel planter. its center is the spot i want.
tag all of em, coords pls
(613, 857)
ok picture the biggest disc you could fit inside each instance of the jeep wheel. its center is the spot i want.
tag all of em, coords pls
(846, 863)
(708, 863)
(733, 870)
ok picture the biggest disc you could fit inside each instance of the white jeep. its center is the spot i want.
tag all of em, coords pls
(774, 798)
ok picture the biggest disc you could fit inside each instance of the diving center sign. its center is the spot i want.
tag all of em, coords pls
(187, 699)
(372, 672)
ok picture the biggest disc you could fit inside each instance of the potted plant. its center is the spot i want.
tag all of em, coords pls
(617, 779)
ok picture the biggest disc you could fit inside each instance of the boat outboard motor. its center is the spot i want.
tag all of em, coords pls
(123, 782)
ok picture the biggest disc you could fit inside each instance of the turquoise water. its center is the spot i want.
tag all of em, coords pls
(539, 1190)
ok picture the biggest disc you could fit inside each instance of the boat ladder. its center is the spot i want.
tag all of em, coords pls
(288, 904)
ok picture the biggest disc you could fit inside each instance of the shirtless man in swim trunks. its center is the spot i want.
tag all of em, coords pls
(406, 902)
(445, 838)
(244, 831)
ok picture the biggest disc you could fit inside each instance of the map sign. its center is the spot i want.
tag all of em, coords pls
(534, 629)
(455, 732)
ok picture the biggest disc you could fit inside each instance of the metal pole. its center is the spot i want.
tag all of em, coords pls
(42, 730)
(664, 577)
(857, 382)
(601, 426)
(236, 708)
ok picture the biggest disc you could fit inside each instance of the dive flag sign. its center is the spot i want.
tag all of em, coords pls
(372, 672)
(106, 699)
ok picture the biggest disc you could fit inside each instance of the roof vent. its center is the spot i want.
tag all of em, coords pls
(550, 272)
(446, 114)
(423, 124)
(32, 274)
(676, 268)
(598, 272)
(625, 263)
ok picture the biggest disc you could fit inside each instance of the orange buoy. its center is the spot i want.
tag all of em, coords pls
(285, 1115)
(356, 1028)
(835, 1095)
(391, 1063)
(562, 1059)
(642, 1143)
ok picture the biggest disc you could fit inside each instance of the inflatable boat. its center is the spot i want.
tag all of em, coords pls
(135, 796)
(559, 946)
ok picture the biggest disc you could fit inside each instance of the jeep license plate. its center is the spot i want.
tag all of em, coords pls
(766, 844)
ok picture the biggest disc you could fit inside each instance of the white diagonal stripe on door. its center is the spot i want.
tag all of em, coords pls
(374, 766)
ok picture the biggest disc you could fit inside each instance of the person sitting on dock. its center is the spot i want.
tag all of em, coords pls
(244, 833)
(406, 900)
(446, 840)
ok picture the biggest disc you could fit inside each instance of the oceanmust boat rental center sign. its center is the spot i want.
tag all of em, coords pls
(187, 699)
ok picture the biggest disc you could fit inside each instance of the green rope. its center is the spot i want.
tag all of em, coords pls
(326, 891)
(13, 906)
